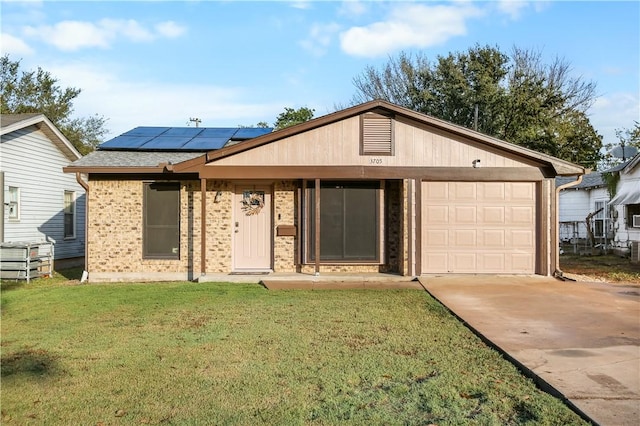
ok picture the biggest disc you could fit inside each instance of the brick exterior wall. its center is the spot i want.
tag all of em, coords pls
(285, 212)
(115, 230)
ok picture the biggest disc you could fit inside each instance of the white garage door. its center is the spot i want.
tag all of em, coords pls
(478, 227)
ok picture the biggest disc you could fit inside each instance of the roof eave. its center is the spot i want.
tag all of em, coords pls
(48, 128)
(116, 170)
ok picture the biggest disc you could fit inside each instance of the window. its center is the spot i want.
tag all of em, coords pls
(600, 218)
(69, 214)
(633, 210)
(376, 135)
(161, 230)
(349, 222)
(13, 202)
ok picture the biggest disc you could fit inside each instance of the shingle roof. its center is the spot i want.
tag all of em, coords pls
(591, 180)
(133, 159)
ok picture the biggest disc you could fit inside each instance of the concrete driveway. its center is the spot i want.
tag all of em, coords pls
(581, 340)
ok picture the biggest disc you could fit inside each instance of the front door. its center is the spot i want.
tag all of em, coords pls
(252, 228)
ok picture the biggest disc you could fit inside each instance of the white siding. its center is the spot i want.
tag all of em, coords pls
(31, 162)
(624, 232)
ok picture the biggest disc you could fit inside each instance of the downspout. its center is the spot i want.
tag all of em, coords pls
(558, 272)
(85, 185)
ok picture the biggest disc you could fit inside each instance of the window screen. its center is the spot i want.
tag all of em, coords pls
(349, 221)
(69, 214)
(161, 237)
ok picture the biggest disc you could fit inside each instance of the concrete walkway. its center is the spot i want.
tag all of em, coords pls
(581, 340)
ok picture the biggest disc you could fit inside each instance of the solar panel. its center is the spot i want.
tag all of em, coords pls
(146, 131)
(165, 142)
(181, 138)
(251, 132)
(125, 142)
(218, 132)
(183, 131)
(205, 144)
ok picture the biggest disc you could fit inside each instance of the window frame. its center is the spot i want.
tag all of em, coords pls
(15, 203)
(601, 219)
(630, 211)
(146, 227)
(309, 240)
(72, 214)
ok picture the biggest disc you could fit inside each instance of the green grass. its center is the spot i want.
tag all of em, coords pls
(232, 354)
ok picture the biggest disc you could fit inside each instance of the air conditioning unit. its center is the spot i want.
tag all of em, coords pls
(636, 221)
(635, 251)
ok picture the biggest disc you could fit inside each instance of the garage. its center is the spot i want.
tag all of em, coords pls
(478, 227)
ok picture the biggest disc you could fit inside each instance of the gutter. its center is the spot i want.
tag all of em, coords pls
(558, 272)
(85, 185)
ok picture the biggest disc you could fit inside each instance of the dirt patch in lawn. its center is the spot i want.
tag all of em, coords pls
(605, 268)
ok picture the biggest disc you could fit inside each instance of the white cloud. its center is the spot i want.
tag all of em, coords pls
(301, 4)
(409, 26)
(614, 111)
(170, 29)
(75, 35)
(128, 104)
(352, 8)
(320, 36)
(513, 8)
(13, 45)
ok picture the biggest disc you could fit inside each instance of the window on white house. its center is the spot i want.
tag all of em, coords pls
(161, 211)
(633, 215)
(13, 203)
(600, 219)
(69, 214)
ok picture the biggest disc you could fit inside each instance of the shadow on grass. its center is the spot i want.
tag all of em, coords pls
(69, 273)
(33, 362)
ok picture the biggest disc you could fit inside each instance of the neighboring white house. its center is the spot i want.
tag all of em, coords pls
(39, 201)
(625, 207)
(578, 202)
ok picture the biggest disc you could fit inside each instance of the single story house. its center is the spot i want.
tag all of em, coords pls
(39, 201)
(625, 208)
(371, 188)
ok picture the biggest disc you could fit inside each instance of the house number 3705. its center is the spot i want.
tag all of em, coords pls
(376, 160)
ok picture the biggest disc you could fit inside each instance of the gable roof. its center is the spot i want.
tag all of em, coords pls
(135, 161)
(561, 167)
(632, 164)
(13, 122)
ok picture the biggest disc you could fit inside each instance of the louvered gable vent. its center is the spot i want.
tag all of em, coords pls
(377, 135)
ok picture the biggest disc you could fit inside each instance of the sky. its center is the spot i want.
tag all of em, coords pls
(238, 63)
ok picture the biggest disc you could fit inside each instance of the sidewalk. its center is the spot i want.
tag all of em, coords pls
(581, 340)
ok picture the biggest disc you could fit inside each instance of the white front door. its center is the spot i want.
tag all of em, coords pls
(252, 228)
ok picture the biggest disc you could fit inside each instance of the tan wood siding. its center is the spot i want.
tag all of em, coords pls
(479, 227)
(338, 144)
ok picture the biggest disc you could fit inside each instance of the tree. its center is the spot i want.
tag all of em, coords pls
(38, 92)
(512, 97)
(291, 117)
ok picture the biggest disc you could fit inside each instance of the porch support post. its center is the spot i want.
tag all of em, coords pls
(418, 227)
(203, 226)
(317, 227)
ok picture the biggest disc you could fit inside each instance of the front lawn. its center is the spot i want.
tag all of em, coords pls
(609, 268)
(185, 353)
